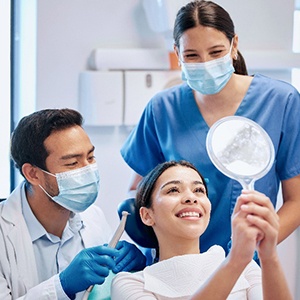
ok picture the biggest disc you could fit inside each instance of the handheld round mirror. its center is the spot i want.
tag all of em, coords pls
(240, 149)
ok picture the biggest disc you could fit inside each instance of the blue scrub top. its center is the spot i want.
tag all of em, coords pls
(172, 128)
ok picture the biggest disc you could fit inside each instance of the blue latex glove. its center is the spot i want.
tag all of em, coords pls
(89, 267)
(128, 258)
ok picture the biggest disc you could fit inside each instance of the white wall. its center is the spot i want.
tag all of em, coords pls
(67, 32)
(5, 96)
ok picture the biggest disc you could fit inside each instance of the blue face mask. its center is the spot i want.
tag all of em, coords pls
(78, 189)
(210, 77)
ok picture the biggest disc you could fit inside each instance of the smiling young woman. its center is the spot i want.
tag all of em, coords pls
(172, 201)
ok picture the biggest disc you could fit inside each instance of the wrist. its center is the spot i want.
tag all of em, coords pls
(64, 286)
(237, 261)
(272, 258)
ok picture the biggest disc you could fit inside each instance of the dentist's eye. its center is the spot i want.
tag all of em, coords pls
(71, 164)
(92, 158)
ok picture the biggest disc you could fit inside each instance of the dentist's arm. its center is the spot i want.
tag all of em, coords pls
(89, 267)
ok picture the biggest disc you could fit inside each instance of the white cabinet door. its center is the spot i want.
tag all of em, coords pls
(141, 86)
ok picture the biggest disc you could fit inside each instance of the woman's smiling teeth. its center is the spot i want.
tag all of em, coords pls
(189, 214)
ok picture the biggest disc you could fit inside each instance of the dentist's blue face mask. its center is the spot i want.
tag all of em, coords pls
(78, 189)
(209, 77)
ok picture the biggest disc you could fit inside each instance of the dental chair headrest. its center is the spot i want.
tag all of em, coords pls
(134, 227)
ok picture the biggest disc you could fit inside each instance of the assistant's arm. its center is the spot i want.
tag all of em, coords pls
(136, 178)
(289, 213)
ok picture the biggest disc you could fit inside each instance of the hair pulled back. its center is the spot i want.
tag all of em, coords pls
(208, 14)
(147, 185)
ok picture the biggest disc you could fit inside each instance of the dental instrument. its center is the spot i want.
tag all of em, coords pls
(112, 244)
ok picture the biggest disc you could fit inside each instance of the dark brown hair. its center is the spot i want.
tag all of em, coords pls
(209, 14)
(147, 184)
(27, 141)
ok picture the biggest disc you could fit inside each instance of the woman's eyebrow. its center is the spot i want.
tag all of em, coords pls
(216, 46)
(170, 182)
(196, 182)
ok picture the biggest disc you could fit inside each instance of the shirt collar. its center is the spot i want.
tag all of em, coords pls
(35, 228)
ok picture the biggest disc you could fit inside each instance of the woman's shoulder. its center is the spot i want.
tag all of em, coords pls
(171, 93)
(127, 285)
(172, 100)
(127, 278)
(267, 82)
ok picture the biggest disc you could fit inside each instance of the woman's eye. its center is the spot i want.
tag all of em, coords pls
(173, 190)
(216, 53)
(200, 190)
(191, 57)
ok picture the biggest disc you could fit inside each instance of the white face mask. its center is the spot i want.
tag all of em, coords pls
(209, 77)
(78, 189)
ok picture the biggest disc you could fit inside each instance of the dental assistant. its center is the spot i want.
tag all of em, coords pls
(175, 123)
(52, 236)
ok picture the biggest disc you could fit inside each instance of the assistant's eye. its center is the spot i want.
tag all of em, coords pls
(190, 57)
(216, 53)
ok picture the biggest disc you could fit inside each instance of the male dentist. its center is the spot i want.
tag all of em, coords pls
(52, 237)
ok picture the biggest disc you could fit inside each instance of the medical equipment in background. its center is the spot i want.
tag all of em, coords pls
(112, 244)
(120, 84)
(122, 81)
(160, 15)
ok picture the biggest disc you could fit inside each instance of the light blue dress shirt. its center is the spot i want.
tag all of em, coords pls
(53, 254)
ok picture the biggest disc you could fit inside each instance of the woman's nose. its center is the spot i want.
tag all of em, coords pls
(190, 200)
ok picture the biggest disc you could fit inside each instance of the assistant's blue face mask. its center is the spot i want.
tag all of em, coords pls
(78, 189)
(209, 77)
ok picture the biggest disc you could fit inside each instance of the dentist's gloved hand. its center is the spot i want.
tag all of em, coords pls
(128, 258)
(89, 267)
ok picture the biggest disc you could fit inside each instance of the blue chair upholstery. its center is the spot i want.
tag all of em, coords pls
(134, 227)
